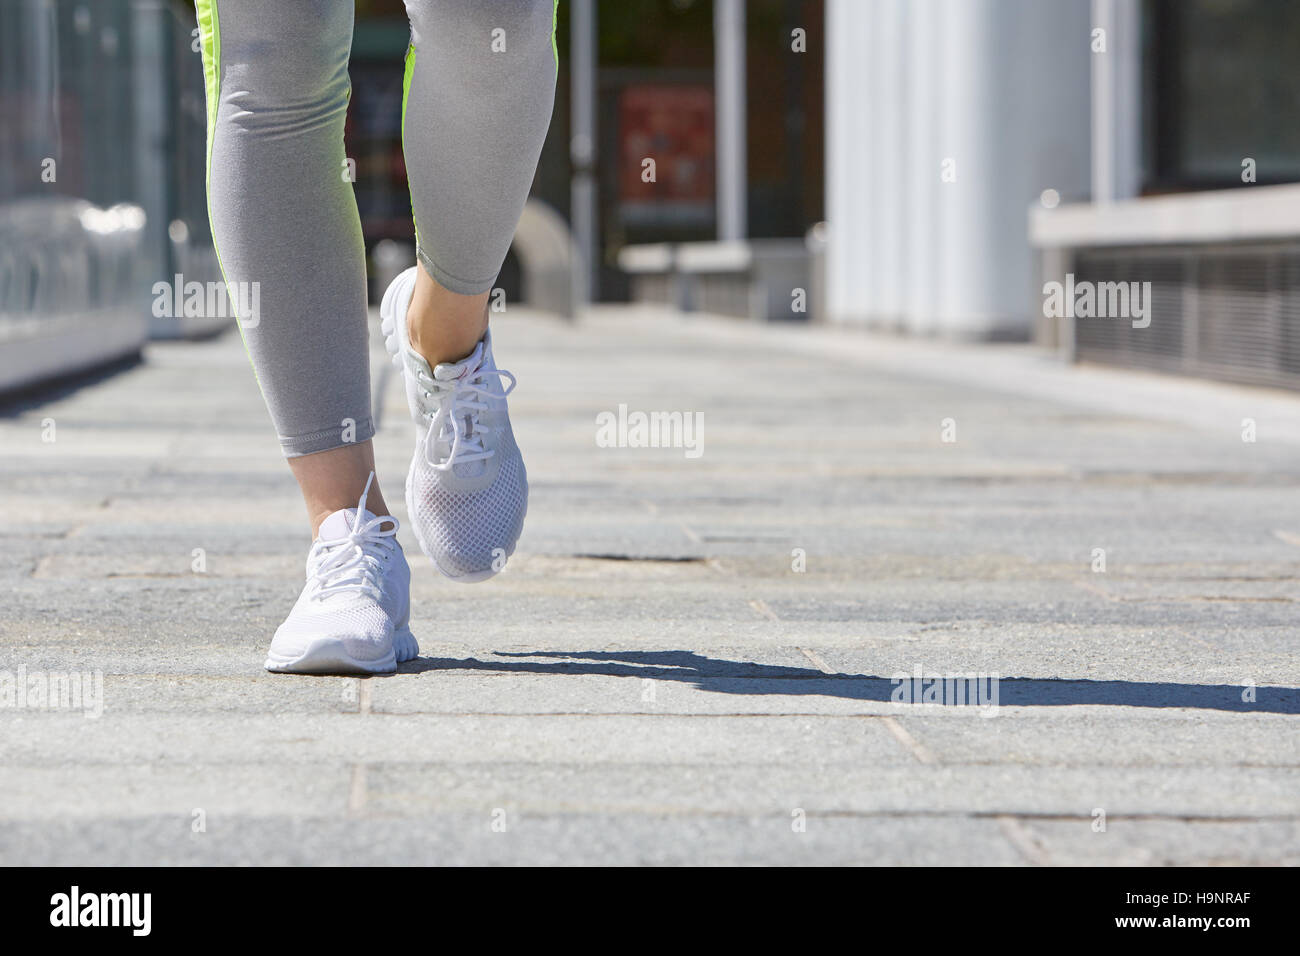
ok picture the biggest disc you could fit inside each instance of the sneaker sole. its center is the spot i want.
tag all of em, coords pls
(394, 342)
(329, 656)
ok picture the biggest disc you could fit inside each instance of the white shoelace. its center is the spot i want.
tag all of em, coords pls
(456, 421)
(349, 564)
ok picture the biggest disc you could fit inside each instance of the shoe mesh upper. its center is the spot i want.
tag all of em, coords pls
(462, 529)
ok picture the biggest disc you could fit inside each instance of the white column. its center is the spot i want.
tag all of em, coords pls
(922, 26)
(997, 90)
(969, 118)
(891, 220)
(1116, 100)
(848, 146)
(582, 148)
(729, 94)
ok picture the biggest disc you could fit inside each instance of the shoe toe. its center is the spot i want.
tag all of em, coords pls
(469, 535)
(359, 638)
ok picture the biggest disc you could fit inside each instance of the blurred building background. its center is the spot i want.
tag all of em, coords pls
(922, 166)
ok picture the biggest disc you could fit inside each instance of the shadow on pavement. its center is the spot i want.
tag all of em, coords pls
(743, 677)
(16, 402)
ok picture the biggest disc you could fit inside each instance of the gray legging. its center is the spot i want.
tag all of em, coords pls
(479, 83)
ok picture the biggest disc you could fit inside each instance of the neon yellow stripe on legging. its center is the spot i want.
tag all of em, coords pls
(210, 44)
(407, 73)
(210, 41)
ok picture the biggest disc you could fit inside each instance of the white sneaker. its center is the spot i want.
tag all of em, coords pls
(467, 490)
(353, 617)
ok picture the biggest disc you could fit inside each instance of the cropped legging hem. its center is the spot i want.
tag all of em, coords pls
(327, 439)
(451, 282)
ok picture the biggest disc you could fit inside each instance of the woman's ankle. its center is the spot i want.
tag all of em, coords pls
(444, 326)
(336, 479)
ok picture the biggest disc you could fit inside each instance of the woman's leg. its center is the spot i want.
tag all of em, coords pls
(480, 80)
(479, 91)
(284, 216)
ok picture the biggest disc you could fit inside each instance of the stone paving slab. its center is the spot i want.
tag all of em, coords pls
(328, 786)
(626, 839)
(1155, 842)
(652, 680)
(468, 839)
(307, 737)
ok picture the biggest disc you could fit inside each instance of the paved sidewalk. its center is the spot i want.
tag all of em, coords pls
(650, 680)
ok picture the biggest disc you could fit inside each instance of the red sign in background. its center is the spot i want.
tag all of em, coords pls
(673, 125)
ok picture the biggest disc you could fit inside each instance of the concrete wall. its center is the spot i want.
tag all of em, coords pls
(1000, 88)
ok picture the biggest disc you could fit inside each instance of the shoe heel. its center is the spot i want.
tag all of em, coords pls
(405, 646)
(388, 316)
